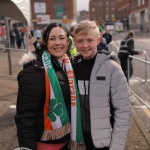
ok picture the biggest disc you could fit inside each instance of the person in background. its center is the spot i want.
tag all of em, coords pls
(101, 84)
(72, 52)
(37, 42)
(100, 27)
(102, 46)
(19, 37)
(126, 49)
(12, 38)
(24, 33)
(37, 33)
(48, 98)
(107, 36)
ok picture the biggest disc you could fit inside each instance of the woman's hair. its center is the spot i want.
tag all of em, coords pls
(84, 26)
(49, 28)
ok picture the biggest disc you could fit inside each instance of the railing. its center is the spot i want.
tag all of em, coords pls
(139, 83)
(9, 59)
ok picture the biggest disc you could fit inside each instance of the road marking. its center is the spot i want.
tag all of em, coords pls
(137, 80)
(12, 106)
(147, 112)
(143, 40)
(142, 106)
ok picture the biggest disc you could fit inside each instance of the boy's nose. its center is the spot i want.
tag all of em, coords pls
(85, 44)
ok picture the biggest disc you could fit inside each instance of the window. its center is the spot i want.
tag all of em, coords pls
(107, 9)
(143, 2)
(107, 16)
(113, 16)
(100, 3)
(139, 2)
(107, 3)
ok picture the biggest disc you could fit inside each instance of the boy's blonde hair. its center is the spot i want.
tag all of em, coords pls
(84, 26)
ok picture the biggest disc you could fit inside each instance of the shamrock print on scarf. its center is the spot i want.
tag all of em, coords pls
(56, 109)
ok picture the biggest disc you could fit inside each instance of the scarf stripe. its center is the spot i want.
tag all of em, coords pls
(47, 123)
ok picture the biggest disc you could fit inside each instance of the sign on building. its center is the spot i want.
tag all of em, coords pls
(43, 19)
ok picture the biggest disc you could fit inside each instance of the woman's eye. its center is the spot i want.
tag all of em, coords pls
(62, 38)
(51, 39)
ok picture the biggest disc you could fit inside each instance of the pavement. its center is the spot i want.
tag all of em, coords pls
(139, 134)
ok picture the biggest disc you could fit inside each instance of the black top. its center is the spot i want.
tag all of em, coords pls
(83, 69)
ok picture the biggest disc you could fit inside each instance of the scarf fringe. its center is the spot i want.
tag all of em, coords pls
(56, 133)
(73, 145)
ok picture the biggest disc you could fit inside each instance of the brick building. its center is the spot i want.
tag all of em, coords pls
(102, 11)
(47, 11)
(133, 14)
(123, 10)
(139, 14)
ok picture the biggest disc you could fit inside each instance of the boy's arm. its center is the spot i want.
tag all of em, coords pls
(120, 97)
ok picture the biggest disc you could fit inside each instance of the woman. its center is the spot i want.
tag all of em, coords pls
(48, 97)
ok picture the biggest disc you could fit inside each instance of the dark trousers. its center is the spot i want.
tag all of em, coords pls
(19, 44)
(12, 42)
(124, 64)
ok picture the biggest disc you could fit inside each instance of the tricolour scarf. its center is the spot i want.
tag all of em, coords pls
(56, 120)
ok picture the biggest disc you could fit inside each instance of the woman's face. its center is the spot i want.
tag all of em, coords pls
(57, 43)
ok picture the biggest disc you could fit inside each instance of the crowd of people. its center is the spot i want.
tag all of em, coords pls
(72, 92)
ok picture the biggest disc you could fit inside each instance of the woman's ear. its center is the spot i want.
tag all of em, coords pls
(68, 41)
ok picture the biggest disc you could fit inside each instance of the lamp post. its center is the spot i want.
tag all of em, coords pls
(148, 15)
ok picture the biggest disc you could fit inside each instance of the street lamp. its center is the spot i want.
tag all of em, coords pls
(148, 15)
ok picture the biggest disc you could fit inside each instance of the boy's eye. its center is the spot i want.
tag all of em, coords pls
(90, 40)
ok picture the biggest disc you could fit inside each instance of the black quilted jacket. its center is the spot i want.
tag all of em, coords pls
(30, 102)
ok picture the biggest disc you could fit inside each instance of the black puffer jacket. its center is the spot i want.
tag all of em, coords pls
(31, 99)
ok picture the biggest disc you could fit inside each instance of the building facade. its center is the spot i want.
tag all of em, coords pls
(134, 14)
(46, 11)
(123, 11)
(139, 15)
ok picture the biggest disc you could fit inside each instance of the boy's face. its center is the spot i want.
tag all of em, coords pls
(87, 44)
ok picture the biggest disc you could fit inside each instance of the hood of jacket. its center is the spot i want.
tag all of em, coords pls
(27, 58)
(103, 57)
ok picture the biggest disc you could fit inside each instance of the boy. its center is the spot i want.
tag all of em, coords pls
(101, 83)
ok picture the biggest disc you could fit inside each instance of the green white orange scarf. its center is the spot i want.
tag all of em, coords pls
(56, 120)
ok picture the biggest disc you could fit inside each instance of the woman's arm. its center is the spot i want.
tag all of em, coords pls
(30, 97)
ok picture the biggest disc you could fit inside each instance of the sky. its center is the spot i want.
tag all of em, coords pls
(82, 5)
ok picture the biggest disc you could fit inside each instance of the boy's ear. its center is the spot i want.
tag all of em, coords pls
(99, 39)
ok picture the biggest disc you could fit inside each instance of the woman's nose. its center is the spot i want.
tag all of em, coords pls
(57, 41)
